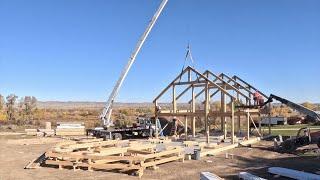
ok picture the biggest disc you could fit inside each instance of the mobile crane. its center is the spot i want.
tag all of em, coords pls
(144, 127)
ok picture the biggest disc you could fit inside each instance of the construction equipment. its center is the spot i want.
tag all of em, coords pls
(304, 136)
(107, 111)
(301, 109)
(144, 127)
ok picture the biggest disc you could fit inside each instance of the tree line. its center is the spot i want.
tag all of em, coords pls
(16, 110)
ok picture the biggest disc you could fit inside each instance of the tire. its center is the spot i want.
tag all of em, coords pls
(117, 136)
(288, 146)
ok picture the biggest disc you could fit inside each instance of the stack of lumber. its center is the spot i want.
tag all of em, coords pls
(31, 132)
(70, 129)
(40, 132)
(47, 132)
(112, 155)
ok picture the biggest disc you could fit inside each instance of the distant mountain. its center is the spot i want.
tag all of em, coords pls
(85, 105)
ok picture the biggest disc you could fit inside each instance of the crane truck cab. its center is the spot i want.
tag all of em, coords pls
(142, 128)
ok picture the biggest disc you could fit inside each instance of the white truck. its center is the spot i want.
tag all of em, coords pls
(274, 121)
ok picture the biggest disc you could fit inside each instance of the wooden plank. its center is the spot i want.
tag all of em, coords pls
(163, 153)
(218, 150)
(111, 151)
(91, 156)
(190, 143)
(94, 144)
(162, 161)
(250, 141)
(138, 147)
(35, 163)
(116, 166)
(66, 163)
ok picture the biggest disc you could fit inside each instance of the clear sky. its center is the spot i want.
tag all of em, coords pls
(75, 49)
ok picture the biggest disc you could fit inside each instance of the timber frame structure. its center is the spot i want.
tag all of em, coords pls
(233, 91)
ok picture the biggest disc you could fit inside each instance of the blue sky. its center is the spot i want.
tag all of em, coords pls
(75, 49)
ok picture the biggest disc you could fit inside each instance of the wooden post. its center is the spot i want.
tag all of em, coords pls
(260, 129)
(248, 124)
(239, 124)
(269, 114)
(250, 97)
(186, 128)
(155, 118)
(232, 122)
(174, 100)
(223, 110)
(207, 104)
(239, 117)
(193, 110)
(189, 76)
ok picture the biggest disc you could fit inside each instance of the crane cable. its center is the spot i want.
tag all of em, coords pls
(188, 56)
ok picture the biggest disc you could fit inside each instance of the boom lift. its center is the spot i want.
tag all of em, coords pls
(304, 135)
(105, 116)
(303, 110)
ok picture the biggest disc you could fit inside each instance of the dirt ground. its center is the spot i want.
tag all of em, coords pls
(15, 153)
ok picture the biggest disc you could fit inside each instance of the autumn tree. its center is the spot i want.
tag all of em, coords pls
(11, 110)
(2, 102)
(309, 105)
(28, 104)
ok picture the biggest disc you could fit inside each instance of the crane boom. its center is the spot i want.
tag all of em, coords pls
(295, 106)
(107, 111)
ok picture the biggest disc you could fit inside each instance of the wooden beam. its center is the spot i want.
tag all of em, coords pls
(174, 100)
(186, 128)
(193, 85)
(246, 83)
(236, 83)
(248, 125)
(218, 150)
(202, 83)
(168, 87)
(207, 109)
(232, 122)
(228, 85)
(193, 105)
(213, 83)
(156, 116)
(223, 118)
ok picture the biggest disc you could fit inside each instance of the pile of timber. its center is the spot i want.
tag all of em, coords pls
(41, 132)
(70, 129)
(113, 155)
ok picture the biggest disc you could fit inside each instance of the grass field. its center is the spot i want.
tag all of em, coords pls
(289, 130)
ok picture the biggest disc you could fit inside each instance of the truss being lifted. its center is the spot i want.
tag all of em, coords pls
(233, 91)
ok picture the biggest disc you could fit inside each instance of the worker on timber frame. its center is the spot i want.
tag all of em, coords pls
(175, 126)
(258, 99)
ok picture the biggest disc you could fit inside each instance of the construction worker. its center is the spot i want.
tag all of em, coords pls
(258, 99)
(175, 126)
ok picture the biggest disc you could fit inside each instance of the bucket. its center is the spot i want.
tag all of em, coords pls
(196, 155)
